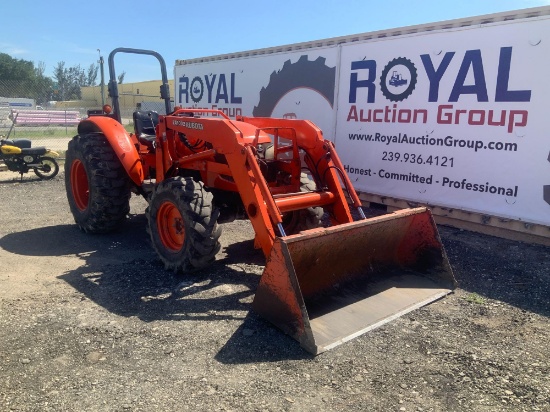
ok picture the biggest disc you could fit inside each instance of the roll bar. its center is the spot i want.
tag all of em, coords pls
(113, 85)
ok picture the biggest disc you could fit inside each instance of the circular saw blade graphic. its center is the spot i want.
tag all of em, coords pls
(309, 74)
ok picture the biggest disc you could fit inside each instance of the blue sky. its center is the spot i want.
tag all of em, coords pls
(72, 31)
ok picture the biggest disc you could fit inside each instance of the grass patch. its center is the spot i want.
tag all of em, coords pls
(475, 298)
(42, 133)
(37, 133)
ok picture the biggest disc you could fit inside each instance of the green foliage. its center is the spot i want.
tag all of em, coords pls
(20, 78)
(57, 132)
(92, 75)
(120, 77)
(69, 80)
(475, 298)
(15, 69)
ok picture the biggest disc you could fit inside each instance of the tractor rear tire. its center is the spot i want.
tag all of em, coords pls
(97, 186)
(304, 219)
(182, 223)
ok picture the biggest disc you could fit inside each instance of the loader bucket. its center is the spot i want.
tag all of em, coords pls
(329, 285)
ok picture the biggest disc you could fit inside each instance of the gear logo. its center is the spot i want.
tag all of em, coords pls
(398, 79)
(197, 89)
(313, 75)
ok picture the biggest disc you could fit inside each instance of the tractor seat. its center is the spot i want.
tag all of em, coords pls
(144, 126)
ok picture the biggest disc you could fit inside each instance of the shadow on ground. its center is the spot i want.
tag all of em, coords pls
(121, 273)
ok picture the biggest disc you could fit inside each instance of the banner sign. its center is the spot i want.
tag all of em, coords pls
(455, 118)
(297, 85)
(458, 118)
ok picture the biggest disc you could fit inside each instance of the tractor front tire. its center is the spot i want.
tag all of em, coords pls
(97, 186)
(183, 224)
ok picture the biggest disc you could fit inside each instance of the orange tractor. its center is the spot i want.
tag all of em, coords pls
(327, 278)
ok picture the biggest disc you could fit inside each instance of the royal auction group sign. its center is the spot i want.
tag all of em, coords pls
(455, 118)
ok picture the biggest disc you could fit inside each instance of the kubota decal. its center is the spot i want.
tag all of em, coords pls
(189, 125)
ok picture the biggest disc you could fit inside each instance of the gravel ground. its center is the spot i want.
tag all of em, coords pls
(94, 323)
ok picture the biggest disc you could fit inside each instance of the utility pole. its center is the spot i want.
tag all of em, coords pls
(102, 78)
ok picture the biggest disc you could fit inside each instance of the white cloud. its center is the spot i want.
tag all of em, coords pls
(12, 49)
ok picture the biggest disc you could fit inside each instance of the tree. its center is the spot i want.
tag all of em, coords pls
(92, 74)
(67, 84)
(70, 80)
(20, 78)
(43, 85)
(15, 69)
(121, 77)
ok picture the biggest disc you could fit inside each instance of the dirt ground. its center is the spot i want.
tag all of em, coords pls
(94, 323)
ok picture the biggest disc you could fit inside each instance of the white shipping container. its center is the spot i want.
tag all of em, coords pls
(452, 114)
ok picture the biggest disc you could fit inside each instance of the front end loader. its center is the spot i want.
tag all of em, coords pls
(328, 277)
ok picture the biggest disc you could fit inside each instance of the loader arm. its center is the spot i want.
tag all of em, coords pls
(324, 285)
(237, 141)
(321, 159)
(228, 141)
(326, 281)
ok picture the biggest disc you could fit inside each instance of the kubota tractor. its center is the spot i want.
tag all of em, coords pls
(198, 168)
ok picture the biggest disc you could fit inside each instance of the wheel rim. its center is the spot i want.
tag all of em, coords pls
(46, 169)
(79, 185)
(170, 226)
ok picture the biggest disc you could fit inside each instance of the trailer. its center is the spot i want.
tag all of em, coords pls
(449, 114)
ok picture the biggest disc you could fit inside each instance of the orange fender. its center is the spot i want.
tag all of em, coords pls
(120, 141)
